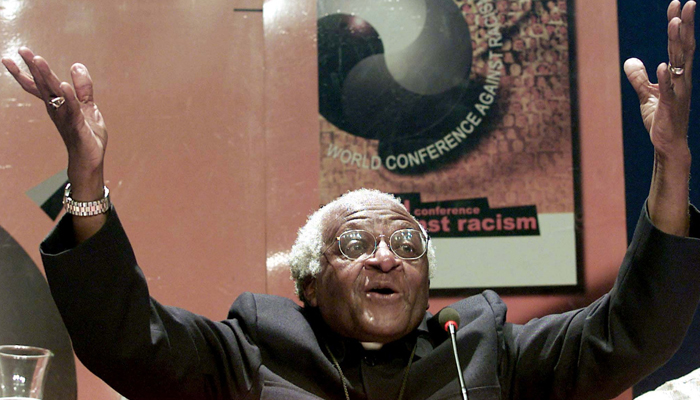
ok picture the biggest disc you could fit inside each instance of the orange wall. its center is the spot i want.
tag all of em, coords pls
(213, 157)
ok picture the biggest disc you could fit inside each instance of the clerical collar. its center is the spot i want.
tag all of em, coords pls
(340, 346)
(371, 345)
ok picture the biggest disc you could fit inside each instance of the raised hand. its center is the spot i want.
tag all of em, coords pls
(78, 119)
(665, 109)
(72, 109)
(665, 106)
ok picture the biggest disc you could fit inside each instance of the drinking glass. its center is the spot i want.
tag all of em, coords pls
(22, 371)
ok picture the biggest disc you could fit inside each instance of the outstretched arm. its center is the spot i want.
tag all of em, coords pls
(80, 124)
(665, 107)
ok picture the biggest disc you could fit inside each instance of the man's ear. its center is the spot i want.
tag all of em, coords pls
(310, 292)
(428, 306)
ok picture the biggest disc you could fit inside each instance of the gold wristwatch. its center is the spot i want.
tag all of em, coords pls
(86, 208)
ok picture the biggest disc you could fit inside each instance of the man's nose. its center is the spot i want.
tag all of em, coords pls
(383, 258)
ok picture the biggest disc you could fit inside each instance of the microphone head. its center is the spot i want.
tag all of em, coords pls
(448, 316)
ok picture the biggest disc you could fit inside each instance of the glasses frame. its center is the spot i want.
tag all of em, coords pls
(424, 238)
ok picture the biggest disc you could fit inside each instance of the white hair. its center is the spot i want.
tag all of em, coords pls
(305, 256)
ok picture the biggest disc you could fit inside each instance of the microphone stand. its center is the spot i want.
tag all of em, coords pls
(451, 327)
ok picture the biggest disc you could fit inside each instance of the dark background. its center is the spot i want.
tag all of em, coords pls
(643, 35)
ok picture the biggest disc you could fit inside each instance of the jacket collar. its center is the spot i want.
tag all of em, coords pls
(343, 347)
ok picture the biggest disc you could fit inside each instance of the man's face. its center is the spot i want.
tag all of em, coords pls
(377, 299)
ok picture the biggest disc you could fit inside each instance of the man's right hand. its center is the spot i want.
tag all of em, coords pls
(80, 124)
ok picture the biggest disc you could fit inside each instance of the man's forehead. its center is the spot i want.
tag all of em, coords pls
(376, 212)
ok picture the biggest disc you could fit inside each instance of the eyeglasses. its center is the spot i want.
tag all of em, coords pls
(406, 244)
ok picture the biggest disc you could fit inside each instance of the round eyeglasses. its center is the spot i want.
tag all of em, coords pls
(406, 244)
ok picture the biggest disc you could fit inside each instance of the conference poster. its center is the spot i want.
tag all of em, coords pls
(465, 110)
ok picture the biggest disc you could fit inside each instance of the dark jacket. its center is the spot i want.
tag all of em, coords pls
(270, 348)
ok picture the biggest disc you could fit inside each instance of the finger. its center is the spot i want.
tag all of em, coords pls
(24, 80)
(666, 85)
(638, 78)
(675, 47)
(50, 82)
(674, 10)
(73, 114)
(28, 57)
(687, 36)
(82, 83)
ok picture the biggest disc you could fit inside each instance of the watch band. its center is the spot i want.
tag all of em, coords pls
(86, 208)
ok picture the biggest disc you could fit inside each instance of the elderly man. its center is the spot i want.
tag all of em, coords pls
(361, 266)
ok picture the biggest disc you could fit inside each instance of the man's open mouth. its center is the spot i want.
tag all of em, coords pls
(385, 291)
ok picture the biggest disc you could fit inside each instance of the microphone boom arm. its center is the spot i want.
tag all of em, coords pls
(451, 327)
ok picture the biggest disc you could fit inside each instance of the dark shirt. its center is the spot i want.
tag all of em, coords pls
(271, 348)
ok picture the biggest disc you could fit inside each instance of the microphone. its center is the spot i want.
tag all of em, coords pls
(448, 317)
(449, 320)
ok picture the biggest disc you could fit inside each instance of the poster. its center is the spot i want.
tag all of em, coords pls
(465, 110)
